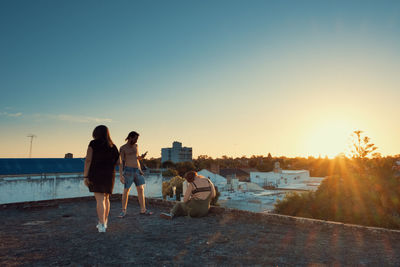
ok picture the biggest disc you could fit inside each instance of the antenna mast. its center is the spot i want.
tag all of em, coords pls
(31, 136)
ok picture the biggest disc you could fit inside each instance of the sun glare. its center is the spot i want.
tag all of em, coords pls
(329, 138)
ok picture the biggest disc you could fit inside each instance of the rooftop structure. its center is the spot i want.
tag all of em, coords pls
(176, 153)
(282, 178)
(63, 232)
(41, 165)
(238, 173)
(46, 186)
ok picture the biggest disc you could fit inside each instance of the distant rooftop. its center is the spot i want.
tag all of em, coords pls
(231, 171)
(40, 165)
(293, 171)
(63, 233)
(286, 171)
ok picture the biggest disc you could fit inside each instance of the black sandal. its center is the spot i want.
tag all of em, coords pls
(147, 212)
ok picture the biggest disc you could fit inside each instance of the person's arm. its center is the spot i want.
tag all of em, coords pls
(142, 156)
(88, 162)
(139, 159)
(121, 165)
(213, 193)
(137, 153)
(118, 160)
(188, 193)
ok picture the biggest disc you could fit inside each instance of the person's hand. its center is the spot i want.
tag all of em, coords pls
(143, 155)
(122, 178)
(86, 182)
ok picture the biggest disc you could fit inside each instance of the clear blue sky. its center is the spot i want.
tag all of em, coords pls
(230, 77)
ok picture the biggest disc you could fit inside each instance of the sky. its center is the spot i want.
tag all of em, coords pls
(237, 78)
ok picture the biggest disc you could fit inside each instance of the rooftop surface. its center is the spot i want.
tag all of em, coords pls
(63, 233)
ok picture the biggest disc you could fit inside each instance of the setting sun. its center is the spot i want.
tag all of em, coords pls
(329, 138)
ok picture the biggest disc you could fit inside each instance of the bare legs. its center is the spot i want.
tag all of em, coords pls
(103, 206)
(107, 208)
(125, 198)
(141, 198)
(140, 194)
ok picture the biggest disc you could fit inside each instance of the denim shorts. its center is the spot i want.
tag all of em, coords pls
(132, 175)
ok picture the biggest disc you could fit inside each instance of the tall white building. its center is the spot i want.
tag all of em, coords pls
(176, 153)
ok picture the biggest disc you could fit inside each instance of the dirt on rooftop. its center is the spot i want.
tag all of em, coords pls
(64, 233)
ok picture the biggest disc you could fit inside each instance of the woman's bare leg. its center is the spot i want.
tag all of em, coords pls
(101, 208)
(107, 207)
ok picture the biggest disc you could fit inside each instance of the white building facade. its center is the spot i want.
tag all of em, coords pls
(279, 179)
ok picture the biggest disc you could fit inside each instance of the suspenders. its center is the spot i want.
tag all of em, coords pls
(201, 189)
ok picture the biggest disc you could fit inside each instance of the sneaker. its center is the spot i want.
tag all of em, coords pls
(105, 224)
(167, 216)
(122, 214)
(101, 228)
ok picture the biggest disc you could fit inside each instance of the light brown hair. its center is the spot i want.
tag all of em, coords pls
(189, 176)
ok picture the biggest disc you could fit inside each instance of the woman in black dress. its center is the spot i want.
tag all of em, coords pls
(101, 158)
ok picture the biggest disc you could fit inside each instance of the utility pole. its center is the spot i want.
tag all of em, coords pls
(31, 136)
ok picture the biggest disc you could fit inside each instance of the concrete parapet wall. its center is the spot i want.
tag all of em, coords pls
(47, 187)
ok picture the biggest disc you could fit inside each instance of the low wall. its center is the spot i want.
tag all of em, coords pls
(47, 187)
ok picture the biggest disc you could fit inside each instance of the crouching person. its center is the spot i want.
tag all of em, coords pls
(196, 202)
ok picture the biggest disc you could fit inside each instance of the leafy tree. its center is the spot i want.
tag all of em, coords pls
(167, 187)
(265, 166)
(168, 164)
(253, 162)
(361, 146)
(184, 167)
(170, 173)
(348, 199)
(153, 163)
(203, 162)
(343, 196)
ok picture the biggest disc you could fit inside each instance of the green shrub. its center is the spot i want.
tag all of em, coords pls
(352, 198)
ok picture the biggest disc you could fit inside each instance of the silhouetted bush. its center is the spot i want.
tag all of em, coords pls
(368, 196)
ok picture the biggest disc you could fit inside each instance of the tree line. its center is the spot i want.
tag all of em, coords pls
(360, 190)
(362, 187)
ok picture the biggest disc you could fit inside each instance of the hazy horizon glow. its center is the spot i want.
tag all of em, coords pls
(290, 78)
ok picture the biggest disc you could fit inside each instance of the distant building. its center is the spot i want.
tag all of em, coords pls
(279, 179)
(277, 167)
(69, 156)
(176, 153)
(240, 174)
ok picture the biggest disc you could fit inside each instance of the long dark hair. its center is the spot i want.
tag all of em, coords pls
(101, 133)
